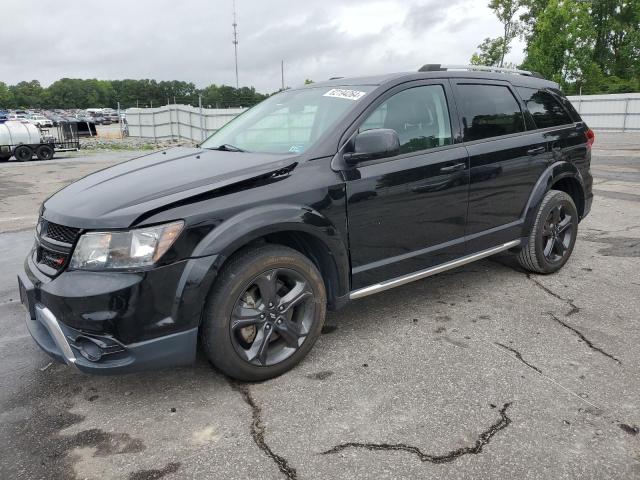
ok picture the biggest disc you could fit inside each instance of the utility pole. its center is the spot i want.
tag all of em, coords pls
(235, 39)
(282, 72)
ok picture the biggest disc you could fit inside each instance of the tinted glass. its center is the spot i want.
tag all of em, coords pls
(489, 111)
(573, 113)
(289, 122)
(419, 115)
(545, 109)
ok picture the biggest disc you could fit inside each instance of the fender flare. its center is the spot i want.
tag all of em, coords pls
(249, 225)
(551, 175)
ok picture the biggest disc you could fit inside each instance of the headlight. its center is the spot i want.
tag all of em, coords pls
(136, 248)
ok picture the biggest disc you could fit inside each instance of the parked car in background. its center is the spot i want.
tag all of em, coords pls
(55, 118)
(39, 120)
(84, 117)
(4, 116)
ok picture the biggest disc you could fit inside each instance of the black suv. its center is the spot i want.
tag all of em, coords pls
(316, 196)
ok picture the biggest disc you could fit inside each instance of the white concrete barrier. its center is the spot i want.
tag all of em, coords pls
(178, 122)
(614, 112)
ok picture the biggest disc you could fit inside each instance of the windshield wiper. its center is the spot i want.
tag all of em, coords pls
(226, 147)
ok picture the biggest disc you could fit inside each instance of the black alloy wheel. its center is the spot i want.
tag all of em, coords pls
(557, 233)
(553, 235)
(272, 317)
(264, 313)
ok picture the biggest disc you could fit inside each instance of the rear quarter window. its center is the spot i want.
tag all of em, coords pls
(544, 107)
(575, 116)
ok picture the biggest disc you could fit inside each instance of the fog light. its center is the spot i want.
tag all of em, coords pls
(89, 349)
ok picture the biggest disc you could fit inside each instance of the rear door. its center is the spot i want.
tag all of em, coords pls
(506, 158)
(408, 212)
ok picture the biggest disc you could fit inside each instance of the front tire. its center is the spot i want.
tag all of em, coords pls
(553, 236)
(264, 313)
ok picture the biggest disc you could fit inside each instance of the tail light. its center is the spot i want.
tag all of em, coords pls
(591, 137)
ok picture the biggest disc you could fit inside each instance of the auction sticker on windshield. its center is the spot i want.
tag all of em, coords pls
(345, 93)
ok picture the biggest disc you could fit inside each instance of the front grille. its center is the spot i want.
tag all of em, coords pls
(59, 233)
(52, 259)
(54, 244)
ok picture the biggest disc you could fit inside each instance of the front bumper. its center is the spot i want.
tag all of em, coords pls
(111, 323)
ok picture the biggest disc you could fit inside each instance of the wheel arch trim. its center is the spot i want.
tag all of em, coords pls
(553, 174)
(250, 225)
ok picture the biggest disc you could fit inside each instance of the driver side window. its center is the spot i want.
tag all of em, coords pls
(419, 115)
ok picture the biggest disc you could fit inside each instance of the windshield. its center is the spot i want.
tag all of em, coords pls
(288, 122)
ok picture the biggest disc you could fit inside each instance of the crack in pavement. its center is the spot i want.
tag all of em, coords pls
(518, 356)
(568, 301)
(584, 339)
(574, 309)
(258, 429)
(483, 439)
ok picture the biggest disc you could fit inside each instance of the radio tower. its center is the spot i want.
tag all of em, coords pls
(235, 39)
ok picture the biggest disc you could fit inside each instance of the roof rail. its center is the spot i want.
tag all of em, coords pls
(435, 67)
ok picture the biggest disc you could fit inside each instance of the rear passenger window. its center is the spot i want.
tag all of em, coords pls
(489, 111)
(545, 109)
(419, 115)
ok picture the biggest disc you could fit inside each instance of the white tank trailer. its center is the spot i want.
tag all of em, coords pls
(22, 140)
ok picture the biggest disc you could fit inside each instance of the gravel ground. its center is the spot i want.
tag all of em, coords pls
(481, 372)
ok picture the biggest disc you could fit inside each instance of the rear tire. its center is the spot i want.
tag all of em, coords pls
(553, 236)
(4, 158)
(44, 152)
(264, 313)
(23, 153)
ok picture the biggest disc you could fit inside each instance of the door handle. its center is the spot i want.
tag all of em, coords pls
(453, 168)
(536, 151)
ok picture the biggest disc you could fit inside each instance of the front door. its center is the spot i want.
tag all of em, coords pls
(408, 213)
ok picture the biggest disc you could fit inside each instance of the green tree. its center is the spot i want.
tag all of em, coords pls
(85, 93)
(561, 44)
(491, 51)
(506, 11)
(27, 94)
(6, 97)
(593, 47)
(528, 16)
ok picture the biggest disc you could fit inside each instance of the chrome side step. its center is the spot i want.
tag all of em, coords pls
(411, 277)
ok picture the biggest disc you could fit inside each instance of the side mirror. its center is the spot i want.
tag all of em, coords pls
(373, 144)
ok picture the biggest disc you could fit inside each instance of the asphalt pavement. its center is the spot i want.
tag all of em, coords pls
(480, 372)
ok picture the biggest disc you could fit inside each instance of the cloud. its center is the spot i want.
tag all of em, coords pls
(191, 39)
(425, 16)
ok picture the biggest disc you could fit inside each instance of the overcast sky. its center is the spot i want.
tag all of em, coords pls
(191, 39)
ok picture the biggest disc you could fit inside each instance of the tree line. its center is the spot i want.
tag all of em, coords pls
(70, 93)
(588, 46)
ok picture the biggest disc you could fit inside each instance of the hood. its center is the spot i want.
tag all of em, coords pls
(116, 196)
